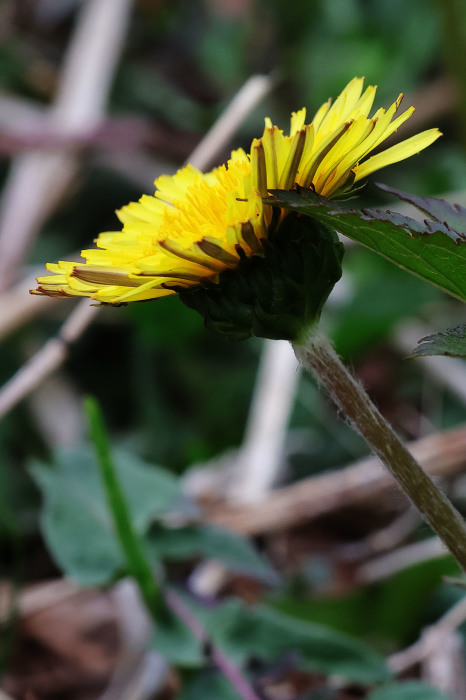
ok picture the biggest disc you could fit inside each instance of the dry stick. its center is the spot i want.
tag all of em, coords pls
(388, 565)
(38, 180)
(17, 306)
(407, 658)
(48, 359)
(363, 482)
(53, 354)
(260, 457)
(317, 355)
(249, 96)
(223, 663)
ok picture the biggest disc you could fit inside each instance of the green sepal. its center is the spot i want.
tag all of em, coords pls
(279, 293)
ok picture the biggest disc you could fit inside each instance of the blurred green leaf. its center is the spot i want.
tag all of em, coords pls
(208, 686)
(433, 251)
(410, 690)
(259, 632)
(76, 522)
(409, 589)
(167, 324)
(451, 342)
(366, 316)
(176, 643)
(266, 634)
(376, 612)
(76, 513)
(231, 549)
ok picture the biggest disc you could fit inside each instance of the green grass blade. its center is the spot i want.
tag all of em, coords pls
(138, 565)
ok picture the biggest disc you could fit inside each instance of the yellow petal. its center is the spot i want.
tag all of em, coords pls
(402, 150)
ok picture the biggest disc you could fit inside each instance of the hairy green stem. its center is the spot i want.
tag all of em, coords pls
(315, 353)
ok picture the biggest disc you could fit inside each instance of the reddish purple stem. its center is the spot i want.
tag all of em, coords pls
(223, 663)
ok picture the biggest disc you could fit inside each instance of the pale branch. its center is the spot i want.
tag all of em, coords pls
(47, 359)
(53, 354)
(448, 623)
(38, 179)
(363, 483)
(254, 90)
(260, 458)
(387, 565)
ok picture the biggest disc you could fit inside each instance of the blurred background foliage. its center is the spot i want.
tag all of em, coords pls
(171, 392)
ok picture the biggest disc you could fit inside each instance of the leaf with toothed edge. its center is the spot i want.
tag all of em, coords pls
(451, 342)
(433, 250)
(453, 215)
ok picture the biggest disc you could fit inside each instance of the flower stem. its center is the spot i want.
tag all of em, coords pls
(230, 670)
(316, 354)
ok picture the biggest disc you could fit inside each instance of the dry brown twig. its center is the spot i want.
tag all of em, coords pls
(38, 179)
(259, 460)
(380, 568)
(47, 359)
(53, 354)
(16, 308)
(365, 481)
(440, 653)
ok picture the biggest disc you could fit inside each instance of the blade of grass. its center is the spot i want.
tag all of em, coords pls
(138, 565)
(161, 606)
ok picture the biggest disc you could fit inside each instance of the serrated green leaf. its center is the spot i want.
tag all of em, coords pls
(451, 342)
(76, 521)
(234, 551)
(432, 251)
(410, 690)
(453, 215)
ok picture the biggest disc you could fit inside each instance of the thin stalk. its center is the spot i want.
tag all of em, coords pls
(230, 670)
(316, 354)
(158, 604)
(138, 566)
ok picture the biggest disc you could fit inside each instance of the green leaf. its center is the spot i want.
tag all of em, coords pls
(451, 342)
(408, 691)
(76, 522)
(433, 251)
(266, 634)
(176, 643)
(366, 316)
(210, 685)
(195, 541)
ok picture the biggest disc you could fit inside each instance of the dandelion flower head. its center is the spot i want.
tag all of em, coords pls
(198, 225)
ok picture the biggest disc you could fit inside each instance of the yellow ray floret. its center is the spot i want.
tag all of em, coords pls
(198, 225)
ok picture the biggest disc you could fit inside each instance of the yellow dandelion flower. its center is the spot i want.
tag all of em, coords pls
(197, 226)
